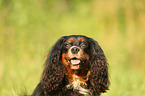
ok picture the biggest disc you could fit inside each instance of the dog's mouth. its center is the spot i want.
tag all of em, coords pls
(75, 63)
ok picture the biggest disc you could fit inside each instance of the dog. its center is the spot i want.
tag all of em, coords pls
(75, 66)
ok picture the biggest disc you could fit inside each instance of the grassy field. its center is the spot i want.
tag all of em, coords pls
(28, 29)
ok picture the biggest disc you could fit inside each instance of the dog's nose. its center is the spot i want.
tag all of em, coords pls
(75, 50)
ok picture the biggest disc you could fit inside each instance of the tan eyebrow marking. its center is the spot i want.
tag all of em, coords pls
(70, 40)
(81, 39)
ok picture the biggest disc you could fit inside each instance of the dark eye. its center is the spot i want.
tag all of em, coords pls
(66, 45)
(83, 45)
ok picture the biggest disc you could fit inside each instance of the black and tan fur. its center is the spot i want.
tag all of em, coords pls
(62, 77)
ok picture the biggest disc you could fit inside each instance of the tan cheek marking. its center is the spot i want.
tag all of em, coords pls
(63, 59)
(70, 40)
(88, 57)
(69, 71)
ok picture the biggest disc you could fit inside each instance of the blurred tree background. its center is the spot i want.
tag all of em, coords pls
(28, 29)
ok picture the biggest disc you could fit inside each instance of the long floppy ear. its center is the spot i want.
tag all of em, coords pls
(53, 73)
(99, 70)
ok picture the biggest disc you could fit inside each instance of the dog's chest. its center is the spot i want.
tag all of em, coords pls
(78, 85)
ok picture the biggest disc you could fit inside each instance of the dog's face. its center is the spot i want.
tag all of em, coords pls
(75, 53)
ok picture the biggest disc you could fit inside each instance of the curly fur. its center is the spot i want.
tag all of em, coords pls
(53, 81)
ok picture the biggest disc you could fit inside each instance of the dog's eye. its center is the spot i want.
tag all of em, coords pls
(83, 45)
(66, 45)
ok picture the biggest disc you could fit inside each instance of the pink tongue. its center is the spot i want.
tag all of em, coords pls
(75, 61)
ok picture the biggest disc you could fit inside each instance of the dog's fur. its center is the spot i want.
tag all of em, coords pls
(76, 66)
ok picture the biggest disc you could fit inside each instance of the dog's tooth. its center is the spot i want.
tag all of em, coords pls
(75, 61)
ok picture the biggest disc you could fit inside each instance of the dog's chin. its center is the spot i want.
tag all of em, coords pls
(75, 67)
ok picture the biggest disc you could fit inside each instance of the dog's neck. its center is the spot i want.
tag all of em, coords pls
(81, 73)
(79, 83)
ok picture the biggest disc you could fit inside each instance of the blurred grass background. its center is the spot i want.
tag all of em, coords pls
(29, 28)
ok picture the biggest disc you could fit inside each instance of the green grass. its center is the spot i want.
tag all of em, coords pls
(28, 29)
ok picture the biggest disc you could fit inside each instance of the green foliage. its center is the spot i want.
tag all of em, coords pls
(29, 28)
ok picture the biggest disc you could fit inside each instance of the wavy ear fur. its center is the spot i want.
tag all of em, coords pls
(99, 71)
(53, 73)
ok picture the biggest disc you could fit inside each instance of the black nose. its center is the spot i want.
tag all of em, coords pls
(75, 50)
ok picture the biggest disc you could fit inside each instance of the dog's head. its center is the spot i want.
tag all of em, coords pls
(79, 58)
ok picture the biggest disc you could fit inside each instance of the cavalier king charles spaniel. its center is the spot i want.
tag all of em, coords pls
(76, 66)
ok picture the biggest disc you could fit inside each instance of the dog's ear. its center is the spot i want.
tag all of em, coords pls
(99, 68)
(53, 73)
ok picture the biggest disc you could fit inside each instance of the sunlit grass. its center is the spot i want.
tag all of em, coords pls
(29, 29)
